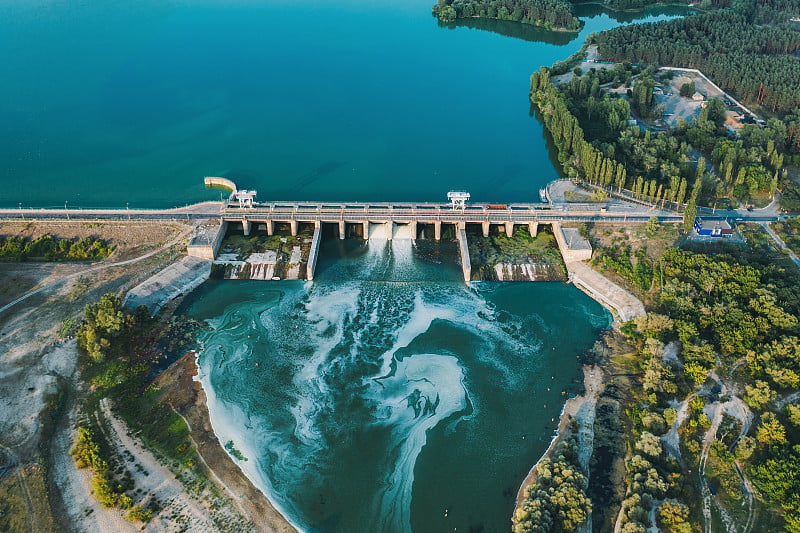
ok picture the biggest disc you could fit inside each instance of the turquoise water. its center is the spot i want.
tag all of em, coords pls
(108, 103)
(388, 396)
(387, 391)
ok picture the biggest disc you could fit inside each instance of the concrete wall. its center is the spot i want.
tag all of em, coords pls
(312, 255)
(178, 278)
(466, 264)
(573, 247)
(207, 248)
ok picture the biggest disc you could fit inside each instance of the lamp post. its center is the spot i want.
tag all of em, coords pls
(21, 213)
(65, 209)
(128, 209)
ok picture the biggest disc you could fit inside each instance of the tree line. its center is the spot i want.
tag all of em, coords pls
(599, 163)
(552, 14)
(590, 128)
(48, 248)
(755, 63)
(557, 501)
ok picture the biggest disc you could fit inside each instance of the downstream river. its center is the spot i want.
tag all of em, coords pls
(387, 396)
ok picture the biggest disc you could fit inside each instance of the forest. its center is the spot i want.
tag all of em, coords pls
(552, 14)
(733, 319)
(755, 62)
(589, 127)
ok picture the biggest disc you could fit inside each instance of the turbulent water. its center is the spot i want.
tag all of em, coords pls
(387, 396)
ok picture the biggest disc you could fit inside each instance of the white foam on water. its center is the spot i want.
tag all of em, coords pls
(404, 391)
(423, 390)
(408, 396)
(227, 420)
(327, 313)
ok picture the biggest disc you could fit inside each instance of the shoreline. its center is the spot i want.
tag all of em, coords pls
(581, 409)
(188, 398)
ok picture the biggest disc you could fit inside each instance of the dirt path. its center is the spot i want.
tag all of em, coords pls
(786, 400)
(708, 439)
(103, 266)
(160, 484)
(82, 511)
(671, 440)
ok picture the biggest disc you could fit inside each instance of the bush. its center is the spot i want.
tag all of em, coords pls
(688, 89)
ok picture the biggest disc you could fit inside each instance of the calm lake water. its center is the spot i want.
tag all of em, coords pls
(108, 103)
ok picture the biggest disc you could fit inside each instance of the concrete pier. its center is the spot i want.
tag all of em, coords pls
(389, 230)
(246, 227)
(533, 228)
(509, 229)
(485, 227)
(466, 264)
(312, 254)
(270, 228)
(437, 230)
(293, 227)
(342, 227)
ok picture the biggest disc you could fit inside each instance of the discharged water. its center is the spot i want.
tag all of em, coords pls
(388, 396)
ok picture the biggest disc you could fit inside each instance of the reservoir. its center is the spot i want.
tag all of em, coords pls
(105, 104)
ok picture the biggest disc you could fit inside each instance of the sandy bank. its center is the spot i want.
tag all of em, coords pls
(186, 396)
(582, 410)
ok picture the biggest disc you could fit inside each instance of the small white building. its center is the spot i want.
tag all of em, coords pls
(698, 97)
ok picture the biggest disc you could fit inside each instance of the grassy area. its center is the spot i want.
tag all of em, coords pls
(48, 248)
(124, 375)
(630, 256)
(282, 244)
(24, 505)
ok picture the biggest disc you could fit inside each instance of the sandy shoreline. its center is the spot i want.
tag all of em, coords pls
(186, 396)
(582, 410)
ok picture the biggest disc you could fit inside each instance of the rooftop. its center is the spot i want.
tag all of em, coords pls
(713, 223)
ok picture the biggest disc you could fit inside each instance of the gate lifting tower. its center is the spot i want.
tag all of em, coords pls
(458, 199)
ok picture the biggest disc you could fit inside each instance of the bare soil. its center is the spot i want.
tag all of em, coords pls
(39, 380)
